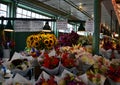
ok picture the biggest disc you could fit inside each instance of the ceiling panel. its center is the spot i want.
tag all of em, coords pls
(71, 7)
(66, 7)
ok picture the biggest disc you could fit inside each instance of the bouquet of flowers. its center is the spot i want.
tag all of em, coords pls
(85, 40)
(68, 39)
(8, 44)
(94, 77)
(70, 79)
(43, 81)
(50, 61)
(101, 64)
(113, 71)
(108, 43)
(67, 60)
(50, 64)
(41, 41)
(21, 64)
(37, 42)
(86, 58)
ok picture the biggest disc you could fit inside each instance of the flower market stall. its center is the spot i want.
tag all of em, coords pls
(61, 61)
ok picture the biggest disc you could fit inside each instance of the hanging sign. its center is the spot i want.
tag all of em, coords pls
(27, 26)
(61, 24)
(21, 25)
(36, 25)
(89, 26)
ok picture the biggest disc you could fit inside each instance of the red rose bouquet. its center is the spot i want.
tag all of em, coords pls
(50, 61)
(50, 64)
(68, 61)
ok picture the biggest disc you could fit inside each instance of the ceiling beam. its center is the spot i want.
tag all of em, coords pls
(79, 9)
(52, 9)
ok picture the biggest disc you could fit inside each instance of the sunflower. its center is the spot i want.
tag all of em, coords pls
(51, 41)
(39, 36)
(36, 38)
(51, 36)
(41, 41)
(29, 40)
(36, 44)
(31, 37)
(46, 41)
(49, 46)
(43, 36)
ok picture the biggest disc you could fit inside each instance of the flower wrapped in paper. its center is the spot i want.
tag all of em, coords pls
(101, 64)
(46, 79)
(95, 78)
(68, 62)
(85, 60)
(19, 64)
(113, 71)
(50, 64)
(68, 78)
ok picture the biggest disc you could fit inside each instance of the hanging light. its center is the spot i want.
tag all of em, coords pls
(81, 27)
(46, 27)
(8, 27)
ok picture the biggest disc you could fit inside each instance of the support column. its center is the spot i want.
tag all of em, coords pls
(111, 18)
(13, 9)
(97, 20)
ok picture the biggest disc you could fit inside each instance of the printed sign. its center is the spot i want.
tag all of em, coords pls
(27, 26)
(61, 24)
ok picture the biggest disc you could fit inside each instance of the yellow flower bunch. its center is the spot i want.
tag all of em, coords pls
(41, 41)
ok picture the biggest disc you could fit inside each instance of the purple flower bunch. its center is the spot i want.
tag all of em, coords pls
(68, 39)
